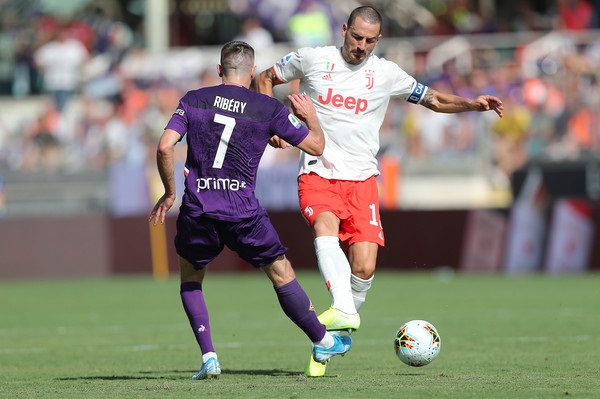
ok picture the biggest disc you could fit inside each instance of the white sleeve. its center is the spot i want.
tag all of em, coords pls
(289, 67)
(406, 87)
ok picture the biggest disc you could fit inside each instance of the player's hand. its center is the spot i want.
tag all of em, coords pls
(278, 142)
(159, 212)
(487, 102)
(302, 107)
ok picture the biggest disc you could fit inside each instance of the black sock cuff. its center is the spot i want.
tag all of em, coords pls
(190, 286)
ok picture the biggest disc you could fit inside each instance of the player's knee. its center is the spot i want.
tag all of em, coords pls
(363, 271)
(188, 273)
(326, 224)
(360, 284)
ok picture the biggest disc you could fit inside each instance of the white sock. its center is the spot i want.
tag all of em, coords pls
(360, 288)
(335, 269)
(327, 341)
(207, 356)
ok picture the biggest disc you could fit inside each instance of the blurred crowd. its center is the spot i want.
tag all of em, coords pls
(95, 112)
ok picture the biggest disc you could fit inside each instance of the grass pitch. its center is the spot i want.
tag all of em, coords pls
(128, 337)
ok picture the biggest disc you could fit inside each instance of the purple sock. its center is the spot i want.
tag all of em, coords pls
(197, 313)
(298, 307)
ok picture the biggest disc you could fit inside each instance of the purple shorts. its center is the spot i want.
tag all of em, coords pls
(200, 239)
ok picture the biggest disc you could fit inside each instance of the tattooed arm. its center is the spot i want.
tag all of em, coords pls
(450, 103)
(265, 82)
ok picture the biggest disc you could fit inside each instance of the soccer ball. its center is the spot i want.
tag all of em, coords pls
(417, 343)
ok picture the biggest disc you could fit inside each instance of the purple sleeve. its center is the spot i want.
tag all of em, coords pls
(288, 127)
(179, 121)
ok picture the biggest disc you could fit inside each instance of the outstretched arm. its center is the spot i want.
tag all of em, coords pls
(450, 103)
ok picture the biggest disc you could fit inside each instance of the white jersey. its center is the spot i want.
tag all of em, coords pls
(351, 103)
(62, 62)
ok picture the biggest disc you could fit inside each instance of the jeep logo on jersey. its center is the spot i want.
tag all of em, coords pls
(339, 101)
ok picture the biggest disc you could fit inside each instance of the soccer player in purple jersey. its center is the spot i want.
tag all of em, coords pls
(227, 128)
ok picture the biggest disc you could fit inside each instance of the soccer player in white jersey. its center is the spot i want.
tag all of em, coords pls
(350, 88)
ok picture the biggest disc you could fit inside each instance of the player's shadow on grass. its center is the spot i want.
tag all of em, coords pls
(175, 374)
(273, 373)
(110, 378)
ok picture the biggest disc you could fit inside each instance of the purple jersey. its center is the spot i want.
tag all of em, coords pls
(228, 128)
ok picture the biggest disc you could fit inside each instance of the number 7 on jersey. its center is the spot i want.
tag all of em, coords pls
(229, 124)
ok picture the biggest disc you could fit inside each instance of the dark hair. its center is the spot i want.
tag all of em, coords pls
(367, 13)
(237, 55)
